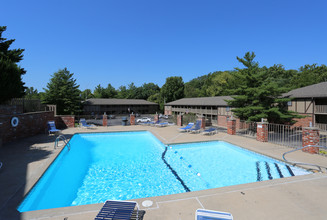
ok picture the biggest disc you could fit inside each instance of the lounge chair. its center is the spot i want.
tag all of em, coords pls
(52, 127)
(83, 124)
(210, 131)
(204, 214)
(187, 127)
(117, 210)
(162, 124)
(196, 128)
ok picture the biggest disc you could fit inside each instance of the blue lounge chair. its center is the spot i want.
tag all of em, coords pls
(196, 128)
(117, 210)
(52, 127)
(204, 214)
(83, 124)
(162, 124)
(210, 131)
(187, 127)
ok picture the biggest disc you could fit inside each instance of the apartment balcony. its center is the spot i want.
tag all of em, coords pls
(321, 109)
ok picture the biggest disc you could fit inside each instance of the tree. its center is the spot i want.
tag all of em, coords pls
(63, 91)
(309, 74)
(194, 88)
(259, 96)
(219, 83)
(31, 93)
(11, 84)
(87, 94)
(148, 89)
(173, 89)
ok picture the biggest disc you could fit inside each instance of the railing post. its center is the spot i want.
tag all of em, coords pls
(132, 119)
(262, 131)
(231, 126)
(105, 120)
(310, 136)
(179, 120)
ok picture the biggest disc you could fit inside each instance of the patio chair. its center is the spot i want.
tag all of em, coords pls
(117, 210)
(187, 127)
(209, 131)
(83, 124)
(196, 128)
(52, 127)
(205, 214)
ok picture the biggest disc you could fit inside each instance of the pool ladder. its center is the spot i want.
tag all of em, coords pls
(64, 139)
(307, 164)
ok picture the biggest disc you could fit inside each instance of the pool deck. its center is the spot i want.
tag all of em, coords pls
(300, 197)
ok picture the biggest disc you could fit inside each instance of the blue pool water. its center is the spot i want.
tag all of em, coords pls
(131, 165)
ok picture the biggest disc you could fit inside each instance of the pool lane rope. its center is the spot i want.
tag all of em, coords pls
(173, 171)
(189, 166)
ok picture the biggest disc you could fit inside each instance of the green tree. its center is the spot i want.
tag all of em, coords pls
(98, 91)
(219, 83)
(173, 89)
(31, 93)
(194, 88)
(63, 91)
(308, 75)
(87, 94)
(122, 92)
(11, 84)
(148, 89)
(259, 97)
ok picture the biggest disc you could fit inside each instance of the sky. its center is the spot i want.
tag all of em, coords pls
(125, 41)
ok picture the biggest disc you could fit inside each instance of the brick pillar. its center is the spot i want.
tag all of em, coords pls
(156, 117)
(132, 119)
(231, 127)
(105, 120)
(203, 122)
(310, 136)
(179, 120)
(262, 131)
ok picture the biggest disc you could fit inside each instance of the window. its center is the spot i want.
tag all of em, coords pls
(289, 103)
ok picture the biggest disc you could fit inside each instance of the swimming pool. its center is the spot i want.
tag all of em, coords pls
(131, 165)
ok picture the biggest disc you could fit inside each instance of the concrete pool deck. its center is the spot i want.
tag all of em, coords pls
(300, 197)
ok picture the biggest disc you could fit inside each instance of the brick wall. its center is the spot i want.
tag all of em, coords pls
(65, 121)
(10, 109)
(303, 122)
(30, 124)
(222, 121)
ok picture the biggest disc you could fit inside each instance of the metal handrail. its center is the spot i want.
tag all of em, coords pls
(64, 139)
(308, 164)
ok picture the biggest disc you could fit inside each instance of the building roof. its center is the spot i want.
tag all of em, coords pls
(118, 102)
(314, 91)
(202, 101)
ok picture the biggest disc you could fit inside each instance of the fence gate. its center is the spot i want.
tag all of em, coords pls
(246, 129)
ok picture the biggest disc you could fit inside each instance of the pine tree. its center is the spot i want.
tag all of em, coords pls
(11, 84)
(258, 96)
(63, 91)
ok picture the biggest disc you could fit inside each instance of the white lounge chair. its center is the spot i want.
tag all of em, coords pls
(205, 214)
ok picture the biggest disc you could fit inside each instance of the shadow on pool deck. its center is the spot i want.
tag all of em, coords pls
(301, 197)
(18, 157)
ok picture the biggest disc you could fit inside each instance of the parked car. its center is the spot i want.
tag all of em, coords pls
(144, 119)
(163, 116)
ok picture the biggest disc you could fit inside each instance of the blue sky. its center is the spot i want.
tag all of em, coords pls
(124, 41)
